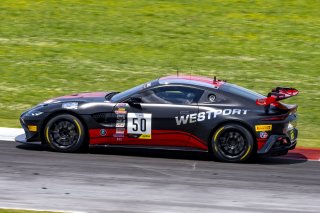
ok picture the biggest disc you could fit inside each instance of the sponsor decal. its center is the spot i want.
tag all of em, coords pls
(120, 112)
(120, 124)
(121, 117)
(212, 98)
(120, 130)
(202, 116)
(70, 105)
(140, 136)
(103, 132)
(147, 85)
(145, 136)
(122, 105)
(263, 128)
(264, 135)
(49, 101)
(292, 135)
(133, 136)
(118, 135)
(32, 128)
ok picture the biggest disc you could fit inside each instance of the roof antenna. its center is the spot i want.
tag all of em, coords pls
(177, 73)
(214, 79)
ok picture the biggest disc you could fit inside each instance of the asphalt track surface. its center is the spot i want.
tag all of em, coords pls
(153, 181)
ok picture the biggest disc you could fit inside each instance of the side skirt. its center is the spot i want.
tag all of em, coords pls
(169, 148)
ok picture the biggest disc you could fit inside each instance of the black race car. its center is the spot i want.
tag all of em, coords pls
(190, 113)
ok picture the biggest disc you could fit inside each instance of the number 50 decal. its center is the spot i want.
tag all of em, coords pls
(139, 123)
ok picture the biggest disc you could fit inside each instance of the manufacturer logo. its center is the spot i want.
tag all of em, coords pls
(103, 132)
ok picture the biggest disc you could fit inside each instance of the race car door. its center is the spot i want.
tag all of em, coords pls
(161, 116)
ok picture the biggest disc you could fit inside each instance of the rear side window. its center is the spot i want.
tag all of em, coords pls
(212, 97)
(240, 91)
(172, 95)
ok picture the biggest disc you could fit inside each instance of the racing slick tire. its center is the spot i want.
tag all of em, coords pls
(65, 133)
(232, 143)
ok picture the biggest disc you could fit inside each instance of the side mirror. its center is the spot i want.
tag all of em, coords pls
(134, 101)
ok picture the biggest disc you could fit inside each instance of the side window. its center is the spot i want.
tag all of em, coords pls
(212, 97)
(172, 95)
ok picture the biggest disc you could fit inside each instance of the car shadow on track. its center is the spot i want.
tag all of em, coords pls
(180, 155)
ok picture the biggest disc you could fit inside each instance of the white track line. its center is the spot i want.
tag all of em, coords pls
(298, 159)
(8, 134)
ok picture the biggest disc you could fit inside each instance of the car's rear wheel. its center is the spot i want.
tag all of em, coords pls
(232, 143)
(65, 133)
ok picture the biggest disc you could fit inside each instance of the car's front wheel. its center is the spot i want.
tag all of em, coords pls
(65, 133)
(232, 143)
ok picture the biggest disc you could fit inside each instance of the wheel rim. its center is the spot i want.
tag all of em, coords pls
(232, 144)
(63, 133)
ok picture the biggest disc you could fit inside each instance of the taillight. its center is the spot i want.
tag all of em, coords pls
(265, 101)
(275, 118)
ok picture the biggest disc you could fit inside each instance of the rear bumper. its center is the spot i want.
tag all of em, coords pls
(280, 144)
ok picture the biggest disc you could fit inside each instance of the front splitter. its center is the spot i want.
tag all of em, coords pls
(22, 139)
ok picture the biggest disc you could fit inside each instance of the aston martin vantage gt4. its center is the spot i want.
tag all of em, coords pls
(189, 113)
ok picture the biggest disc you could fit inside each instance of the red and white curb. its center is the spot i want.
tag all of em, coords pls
(300, 153)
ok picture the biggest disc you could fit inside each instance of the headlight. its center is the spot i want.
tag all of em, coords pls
(34, 113)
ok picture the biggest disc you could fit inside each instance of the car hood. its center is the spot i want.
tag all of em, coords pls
(86, 97)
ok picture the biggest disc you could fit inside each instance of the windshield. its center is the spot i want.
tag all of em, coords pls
(120, 96)
(128, 93)
(237, 90)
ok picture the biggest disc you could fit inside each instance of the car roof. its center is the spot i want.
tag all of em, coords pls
(192, 80)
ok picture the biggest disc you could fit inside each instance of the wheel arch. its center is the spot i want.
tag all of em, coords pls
(239, 122)
(60, 112)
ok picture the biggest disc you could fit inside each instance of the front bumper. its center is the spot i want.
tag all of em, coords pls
(280, 144)
(32, 127)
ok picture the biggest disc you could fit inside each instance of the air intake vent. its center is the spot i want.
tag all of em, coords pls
(102, 118)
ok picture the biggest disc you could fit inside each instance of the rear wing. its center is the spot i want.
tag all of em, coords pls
(277, 94)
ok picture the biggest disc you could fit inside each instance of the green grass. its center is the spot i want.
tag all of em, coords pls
(50, 48)
(21, 211)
